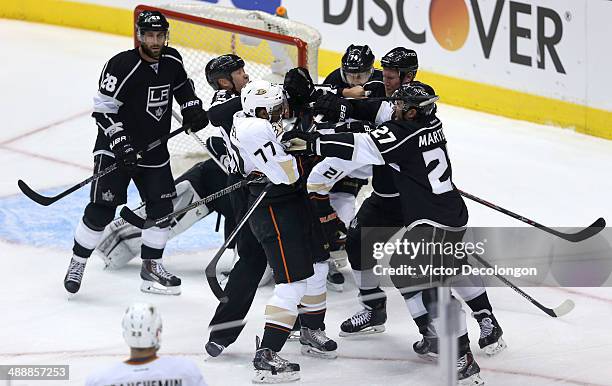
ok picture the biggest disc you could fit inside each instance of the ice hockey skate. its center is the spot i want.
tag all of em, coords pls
(468, 371)
(365, 322)
(271, 368)
(156, 280)
(427, 348)
(74, 275)
(316, 344)
(490, 341)
(214, 349)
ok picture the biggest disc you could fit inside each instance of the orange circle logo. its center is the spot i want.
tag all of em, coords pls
(450, 23)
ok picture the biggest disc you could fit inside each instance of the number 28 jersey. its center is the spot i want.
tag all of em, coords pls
(136, 96)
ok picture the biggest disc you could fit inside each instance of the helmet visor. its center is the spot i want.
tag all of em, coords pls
(357, 78)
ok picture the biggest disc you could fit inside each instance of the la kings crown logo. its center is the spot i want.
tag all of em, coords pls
(157, 101)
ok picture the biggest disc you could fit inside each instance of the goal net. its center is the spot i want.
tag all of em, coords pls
(269, 44)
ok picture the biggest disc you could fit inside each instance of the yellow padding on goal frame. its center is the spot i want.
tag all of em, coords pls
(455, 91)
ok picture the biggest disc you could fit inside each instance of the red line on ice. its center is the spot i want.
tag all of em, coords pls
(42, 128)
(43, 157)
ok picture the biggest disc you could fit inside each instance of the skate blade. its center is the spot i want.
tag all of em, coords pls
(335, 287)
(315, 353)
(429, 357)
(495, 348)
(158, 289)
(366, 331)
(266, 376)
(473, 380)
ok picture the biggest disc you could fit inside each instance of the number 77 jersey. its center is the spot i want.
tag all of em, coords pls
(416, 150)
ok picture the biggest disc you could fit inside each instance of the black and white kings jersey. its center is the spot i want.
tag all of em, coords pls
(224, 105)
(416, 151)
(136, 96)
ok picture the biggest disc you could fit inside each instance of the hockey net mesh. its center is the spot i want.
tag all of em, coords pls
(199, 40)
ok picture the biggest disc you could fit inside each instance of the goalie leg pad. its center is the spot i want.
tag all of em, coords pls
(186, 195)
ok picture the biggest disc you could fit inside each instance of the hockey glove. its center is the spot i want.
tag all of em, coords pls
(355, 127)
(333, 108)
(299, 86)
(300, 142)
(333, 228)
(195, 117)
(125, 153)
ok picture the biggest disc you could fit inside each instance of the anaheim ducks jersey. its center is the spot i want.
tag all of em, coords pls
(255, 147)
(159, 371)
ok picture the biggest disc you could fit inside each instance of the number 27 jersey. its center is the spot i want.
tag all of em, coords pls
(416, 150)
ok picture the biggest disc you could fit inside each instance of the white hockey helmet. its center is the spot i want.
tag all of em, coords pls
(142, 326)
(262, 94)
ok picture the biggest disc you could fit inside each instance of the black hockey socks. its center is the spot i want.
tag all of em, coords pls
(422, 322)
(480, 302)
(313, 320)
(372, 298)
(274, 337)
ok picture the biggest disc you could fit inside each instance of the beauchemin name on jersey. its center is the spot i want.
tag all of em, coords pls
(162, 371)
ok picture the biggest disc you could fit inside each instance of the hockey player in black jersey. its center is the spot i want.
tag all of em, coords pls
(132, 109)
(356, 77)
(414, 143)
(400, 66)
(226, 75)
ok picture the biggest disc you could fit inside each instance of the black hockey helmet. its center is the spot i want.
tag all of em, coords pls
(402, 59)
(417, 95)
(222, 67)
(151, 21)
(358, 60)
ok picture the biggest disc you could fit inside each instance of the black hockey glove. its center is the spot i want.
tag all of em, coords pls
(333, 228)
(355, 127)
(195, 117)
(333, 108)
(299, 86)
(300, 142)
(125, 153)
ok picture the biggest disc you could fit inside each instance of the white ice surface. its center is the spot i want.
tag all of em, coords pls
(47, 80)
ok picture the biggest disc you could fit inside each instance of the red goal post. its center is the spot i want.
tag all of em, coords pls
(269, 44)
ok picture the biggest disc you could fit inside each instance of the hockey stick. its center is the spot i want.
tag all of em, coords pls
(128, 215)
(179, 119)
(556, 312)
(581, 235)
(46, 200)
(211, 268)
